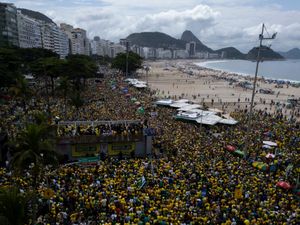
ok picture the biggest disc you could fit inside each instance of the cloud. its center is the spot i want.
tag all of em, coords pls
(108, 24)
(217, 23)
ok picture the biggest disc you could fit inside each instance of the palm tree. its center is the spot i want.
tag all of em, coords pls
(33, 147)
(13, 206)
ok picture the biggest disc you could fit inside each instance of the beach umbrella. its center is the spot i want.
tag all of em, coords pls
(270, 143)
(270, 156)
(284, 185)
(230, 148)
(133, 99)
(262, 167)
(137, 103)
(141, 110)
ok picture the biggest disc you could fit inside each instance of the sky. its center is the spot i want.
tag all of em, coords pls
(217, 23)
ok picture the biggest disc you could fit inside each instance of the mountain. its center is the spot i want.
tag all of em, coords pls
(291, 54)
(155, 40)
(36, 15)
(188, 36)
(231, 53)
(162, 40)
(266, 54)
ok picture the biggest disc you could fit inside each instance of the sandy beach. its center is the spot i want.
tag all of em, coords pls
(183, 79)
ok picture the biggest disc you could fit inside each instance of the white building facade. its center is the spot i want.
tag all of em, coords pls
(29, 31)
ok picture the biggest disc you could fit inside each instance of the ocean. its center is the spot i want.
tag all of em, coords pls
(278, 70)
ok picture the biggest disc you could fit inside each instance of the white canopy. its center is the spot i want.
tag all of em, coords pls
(189, 107)
(270, 143)
(215, 110)
(209, 119)
(140, 85)
(189, 115)
(182, 101)
(266, 146)
(228, 121)
(179, 104)
(202, 112)
(164, 102)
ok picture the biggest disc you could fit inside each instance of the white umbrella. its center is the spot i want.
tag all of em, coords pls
(270, 156)
(266, 146)
(270, 143)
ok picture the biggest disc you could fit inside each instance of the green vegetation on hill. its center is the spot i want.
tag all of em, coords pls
(291, 54)
(188, 36)
(155, 40)
(36, 15)
(265, 54)
(231, 53)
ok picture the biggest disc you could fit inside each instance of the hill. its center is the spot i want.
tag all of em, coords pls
(291, 54)
(266, 54)
(231, 53)
(155, 40)
(162, 40)
(188, 36)
(36, 15)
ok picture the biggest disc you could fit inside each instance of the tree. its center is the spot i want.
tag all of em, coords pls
(21, 91)
(13, 206)
(51, 67)
(80, 67)
(102, 60)
(134, 62)
(34, 147)
(76, 100)
(64, 87)
(10, 66)
(30, 55)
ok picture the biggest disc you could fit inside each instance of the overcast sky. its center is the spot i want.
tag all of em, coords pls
(217, 23)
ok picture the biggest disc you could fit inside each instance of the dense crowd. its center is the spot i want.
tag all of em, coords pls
(192, 178)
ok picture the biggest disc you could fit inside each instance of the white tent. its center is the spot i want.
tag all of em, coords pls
(215, 110)
(140, 85)
(270, 143)
(179, 104)
(182, 101)
(202, 112)
(164, 102)
(228, 121)
(209, 119)
(187, 116)
(189, 107)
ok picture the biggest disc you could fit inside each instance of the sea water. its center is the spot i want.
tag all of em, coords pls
(278, 70)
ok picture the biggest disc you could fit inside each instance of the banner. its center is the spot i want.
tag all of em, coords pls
(115, 149)
(141, 182)
(81, 150)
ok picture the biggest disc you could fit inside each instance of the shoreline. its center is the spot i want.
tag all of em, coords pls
(267, 78)
(171, 79)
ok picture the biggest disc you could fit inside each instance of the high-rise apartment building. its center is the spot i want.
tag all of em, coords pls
(29, 31)
(191, 48)
(79, 43)
(8, 25)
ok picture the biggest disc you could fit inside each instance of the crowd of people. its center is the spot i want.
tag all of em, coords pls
(190, 179)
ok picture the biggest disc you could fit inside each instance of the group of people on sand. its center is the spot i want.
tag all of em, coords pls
(190, 179)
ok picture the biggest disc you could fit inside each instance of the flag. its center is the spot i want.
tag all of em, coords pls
(141, 182)
(238, 192)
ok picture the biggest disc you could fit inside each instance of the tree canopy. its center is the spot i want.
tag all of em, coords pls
(134, 62)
